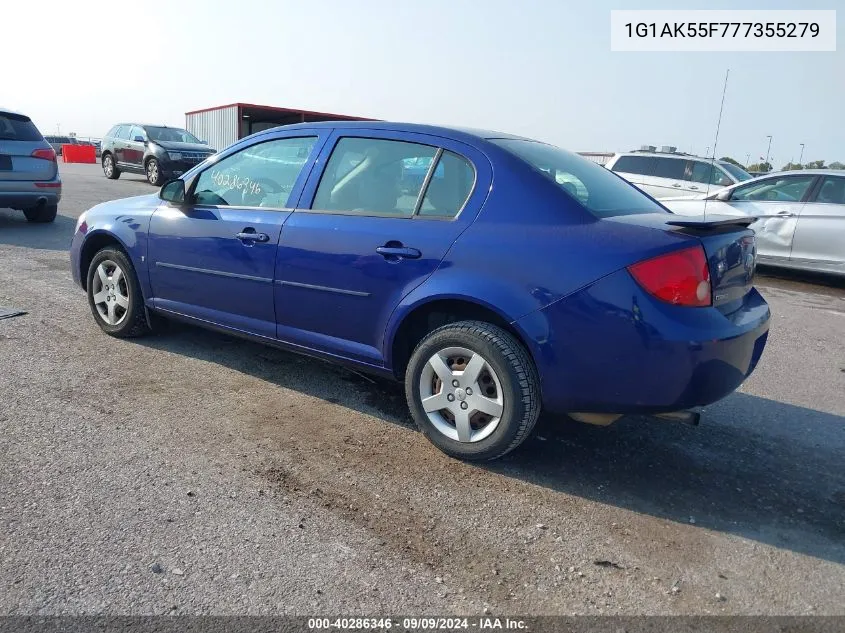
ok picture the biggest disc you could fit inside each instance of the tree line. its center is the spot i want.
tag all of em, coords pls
(765, 166)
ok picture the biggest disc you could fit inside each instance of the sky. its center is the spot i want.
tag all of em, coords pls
(540, 68)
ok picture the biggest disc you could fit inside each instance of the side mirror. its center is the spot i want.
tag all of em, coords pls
(139, 139)
(204, 142)
(173, 191)
(723, 196)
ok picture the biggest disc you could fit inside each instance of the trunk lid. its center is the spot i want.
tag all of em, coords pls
(18, 139)
(728, 244)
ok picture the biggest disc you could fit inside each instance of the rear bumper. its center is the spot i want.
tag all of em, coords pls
(28, 195)
(612, 348)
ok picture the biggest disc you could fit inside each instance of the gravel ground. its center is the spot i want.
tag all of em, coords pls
(194, 473)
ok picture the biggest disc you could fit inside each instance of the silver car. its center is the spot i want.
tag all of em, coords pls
(801, 216)
(29, 173)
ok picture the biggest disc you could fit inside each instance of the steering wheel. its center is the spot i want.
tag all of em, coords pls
(266, 186)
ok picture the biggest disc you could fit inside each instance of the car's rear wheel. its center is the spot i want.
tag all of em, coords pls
(115, 295)
(43, 214)
(154, 175)
(109, 168)
(473, 390)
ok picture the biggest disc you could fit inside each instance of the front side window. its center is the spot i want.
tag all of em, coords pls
(776, 189)
(373, 177)
(136, 132)
(260, 175)
(602, 193)
(170, 134)
(708, 173)
(832, 190)
(737, 172)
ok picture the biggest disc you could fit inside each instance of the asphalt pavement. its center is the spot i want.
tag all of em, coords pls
(190, 472)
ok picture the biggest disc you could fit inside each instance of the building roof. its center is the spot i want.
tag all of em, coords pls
(266, 108)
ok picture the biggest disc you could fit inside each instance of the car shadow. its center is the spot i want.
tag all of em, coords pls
(52, 236)
(756, 468)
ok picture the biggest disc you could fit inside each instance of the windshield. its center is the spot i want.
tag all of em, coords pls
(173, 134)
(602, 192)
(737, 172)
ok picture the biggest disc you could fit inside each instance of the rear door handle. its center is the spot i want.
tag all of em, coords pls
(693, 187)
(676, 185)
(252, 236)
(400, 252)
(785, 214)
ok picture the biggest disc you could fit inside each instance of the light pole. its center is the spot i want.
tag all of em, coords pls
(747, 160)
(801, 160)
(768, 149)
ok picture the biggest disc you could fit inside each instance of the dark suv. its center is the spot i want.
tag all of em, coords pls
(157, 151)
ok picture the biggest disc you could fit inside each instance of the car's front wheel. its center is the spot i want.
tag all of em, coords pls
(473, 390)
(109, 167)
(115, 295)
(154, 175)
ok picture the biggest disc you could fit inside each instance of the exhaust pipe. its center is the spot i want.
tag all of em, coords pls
(691, 418)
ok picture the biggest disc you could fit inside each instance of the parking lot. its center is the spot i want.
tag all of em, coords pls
(190, 472)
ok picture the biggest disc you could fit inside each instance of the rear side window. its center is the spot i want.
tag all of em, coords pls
(122, 132)
(15, 127)
(671, 168)
(449, 187)
(113, 132)
(374, 177)
(603, 194)
(634, 165)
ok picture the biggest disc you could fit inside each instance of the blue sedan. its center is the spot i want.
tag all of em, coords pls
(512, 277)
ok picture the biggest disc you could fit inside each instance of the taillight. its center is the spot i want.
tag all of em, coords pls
(680, 278)
(46, 154)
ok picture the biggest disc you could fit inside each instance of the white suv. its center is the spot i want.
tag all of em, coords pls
(672, 175)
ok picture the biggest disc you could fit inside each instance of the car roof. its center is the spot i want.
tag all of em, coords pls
(808, 172)
(677, 155)
(419, 128)
(14, 112)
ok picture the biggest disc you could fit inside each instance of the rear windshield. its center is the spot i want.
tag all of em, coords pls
(737, 172)
(14, 127)
(603, 193)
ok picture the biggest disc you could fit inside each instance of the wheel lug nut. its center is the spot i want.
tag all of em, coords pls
(455, 383)
(464, 405)
(450, 397)
(469, 391)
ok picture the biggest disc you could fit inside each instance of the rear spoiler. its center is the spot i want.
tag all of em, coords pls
(720, 224)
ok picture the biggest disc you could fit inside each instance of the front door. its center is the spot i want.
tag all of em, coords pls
(777, 202)
(214, 258)
(820, 233)
(367, 233)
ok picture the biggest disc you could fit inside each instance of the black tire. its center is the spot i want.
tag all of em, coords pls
(42, 215)
(516, 373)
(110, 167)
(153, 172)
(134, 321)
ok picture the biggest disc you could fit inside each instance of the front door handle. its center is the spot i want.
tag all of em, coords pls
(252, 236)
(693, 187)
(398, 252)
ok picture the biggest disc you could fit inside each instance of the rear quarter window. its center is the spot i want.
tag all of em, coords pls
(633, 165)
(602, 193)
(18, 128)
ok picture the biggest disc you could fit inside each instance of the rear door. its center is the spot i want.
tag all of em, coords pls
(820, 231)
(362, 237)
(133, 154)
(19, 138)
(777, 201)
(632, 168)
(121, 144)
(666, 178)
(213, 259)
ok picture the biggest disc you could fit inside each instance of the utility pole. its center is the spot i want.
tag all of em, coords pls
(768, 149)
(747, 160)
(800, 160)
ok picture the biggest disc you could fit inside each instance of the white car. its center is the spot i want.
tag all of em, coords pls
(801, 216)
(663, 175)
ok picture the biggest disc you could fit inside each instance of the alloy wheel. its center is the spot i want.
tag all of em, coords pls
(461, 394)
(108, 166)
(110, 292)
(152, 171)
